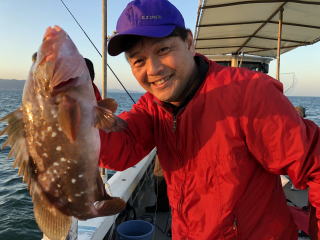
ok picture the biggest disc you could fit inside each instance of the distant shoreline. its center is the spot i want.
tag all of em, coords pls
(11, 84)
(14, 84)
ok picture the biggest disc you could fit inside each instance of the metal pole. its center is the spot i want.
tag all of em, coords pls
(279, 43)
(104, 57)
(104, 46)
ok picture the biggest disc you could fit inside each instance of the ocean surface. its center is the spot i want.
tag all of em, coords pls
(16, 214)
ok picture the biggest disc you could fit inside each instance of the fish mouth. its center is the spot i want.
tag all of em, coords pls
(64, 86)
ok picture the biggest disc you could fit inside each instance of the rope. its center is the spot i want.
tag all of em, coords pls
(96, 49)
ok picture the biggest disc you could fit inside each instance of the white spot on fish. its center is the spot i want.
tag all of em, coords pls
(45, 155)
(53, 134)
(69, 200)
(39, 143)
(52, 179)
(55, 171)
(59, 129)
(55, 164)
(63, 159)
(73, 180)
(65, 172)
(54, 113)
(43, 136)
(43, 178)
(77, 195)
(58, 148)
(58, 185)
(69, 161)
(49, 128)
(80, 175)
(68, 168)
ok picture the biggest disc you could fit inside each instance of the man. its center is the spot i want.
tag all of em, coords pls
(223, 135)
(92, 75)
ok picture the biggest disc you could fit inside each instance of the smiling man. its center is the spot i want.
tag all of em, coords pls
(223, 135)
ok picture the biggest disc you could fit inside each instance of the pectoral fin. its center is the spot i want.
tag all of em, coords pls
(69, 117)
(108, 103)
(107, 121)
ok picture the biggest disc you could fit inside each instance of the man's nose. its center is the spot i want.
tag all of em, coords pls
(154, 66)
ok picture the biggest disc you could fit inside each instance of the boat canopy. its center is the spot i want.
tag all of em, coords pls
(256, 27)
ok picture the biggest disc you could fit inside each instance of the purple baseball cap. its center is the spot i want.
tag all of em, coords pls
(146, 18)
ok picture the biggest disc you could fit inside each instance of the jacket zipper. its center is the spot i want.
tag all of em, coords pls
(174, 128)
(174, 124)
(235, 226)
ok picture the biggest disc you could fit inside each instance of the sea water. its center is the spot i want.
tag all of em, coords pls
(16, 214)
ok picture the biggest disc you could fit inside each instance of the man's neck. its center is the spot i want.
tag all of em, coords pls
(190, 88)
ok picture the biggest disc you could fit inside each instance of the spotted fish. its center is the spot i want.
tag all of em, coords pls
(54, 137)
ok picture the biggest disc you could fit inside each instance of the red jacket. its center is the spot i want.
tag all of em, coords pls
(222, 155)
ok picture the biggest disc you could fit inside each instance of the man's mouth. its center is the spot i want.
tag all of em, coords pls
(161, 81)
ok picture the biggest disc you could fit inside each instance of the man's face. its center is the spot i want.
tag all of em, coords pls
(163, 66)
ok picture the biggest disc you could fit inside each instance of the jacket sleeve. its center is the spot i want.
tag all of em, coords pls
(123, 149)
(282, 141)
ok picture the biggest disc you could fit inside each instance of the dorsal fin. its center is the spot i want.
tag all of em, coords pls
(16, 139)
(51, 221)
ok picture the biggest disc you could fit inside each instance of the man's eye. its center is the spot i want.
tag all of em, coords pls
(137, 62)
(164, 50)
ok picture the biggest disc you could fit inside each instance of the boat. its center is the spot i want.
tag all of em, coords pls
(237, 33)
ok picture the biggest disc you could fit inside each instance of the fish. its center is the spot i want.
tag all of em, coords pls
(54, 138)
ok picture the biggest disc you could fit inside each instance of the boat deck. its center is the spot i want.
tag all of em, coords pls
(161, 220)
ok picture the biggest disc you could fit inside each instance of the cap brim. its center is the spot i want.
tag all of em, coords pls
(118, 42)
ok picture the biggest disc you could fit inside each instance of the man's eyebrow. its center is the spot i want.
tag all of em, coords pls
(132, 55)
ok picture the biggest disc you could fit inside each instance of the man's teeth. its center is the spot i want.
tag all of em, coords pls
(160, 81)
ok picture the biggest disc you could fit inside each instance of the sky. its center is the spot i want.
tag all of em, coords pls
(23, 24)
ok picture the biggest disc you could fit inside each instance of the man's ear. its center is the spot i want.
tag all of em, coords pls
(190, 43)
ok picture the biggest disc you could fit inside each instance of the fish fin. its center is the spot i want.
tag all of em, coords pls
(15, 127)
(106, 205)
(108, 103)
(107, 121)
(69, 117)
(17, 141)
(110, 206)
(50, 220)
